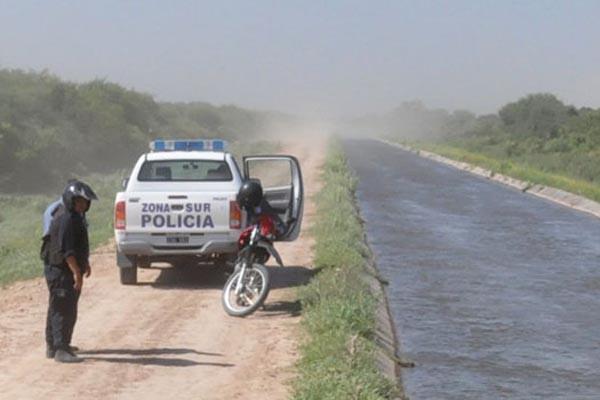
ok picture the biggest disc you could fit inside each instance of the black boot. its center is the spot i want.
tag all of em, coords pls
(63, 356)
(50, 352)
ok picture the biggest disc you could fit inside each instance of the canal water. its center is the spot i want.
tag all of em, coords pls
(494, 293)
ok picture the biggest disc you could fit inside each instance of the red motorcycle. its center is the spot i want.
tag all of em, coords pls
(247, 288)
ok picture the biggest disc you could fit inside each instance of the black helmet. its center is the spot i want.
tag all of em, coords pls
(77, 189)
(250, 194)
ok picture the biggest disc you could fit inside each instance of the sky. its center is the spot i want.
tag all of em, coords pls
(319, 58)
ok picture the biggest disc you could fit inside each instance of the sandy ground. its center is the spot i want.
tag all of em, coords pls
(168, 337)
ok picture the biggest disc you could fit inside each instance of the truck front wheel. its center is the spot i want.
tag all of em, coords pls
(128, 275)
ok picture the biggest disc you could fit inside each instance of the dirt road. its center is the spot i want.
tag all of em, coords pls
(167, 337)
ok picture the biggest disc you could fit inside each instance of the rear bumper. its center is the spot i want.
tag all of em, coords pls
(155, 245)
(129, 252)
(141, 248)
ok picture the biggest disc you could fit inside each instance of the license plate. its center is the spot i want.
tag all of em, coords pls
(178, 239)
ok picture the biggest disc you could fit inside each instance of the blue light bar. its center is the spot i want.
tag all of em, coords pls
(188, 145)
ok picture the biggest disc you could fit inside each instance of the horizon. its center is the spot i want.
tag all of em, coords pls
(337, 60)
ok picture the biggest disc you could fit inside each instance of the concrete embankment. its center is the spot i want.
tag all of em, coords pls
(388, 360)
(555, 195)
(350, 346)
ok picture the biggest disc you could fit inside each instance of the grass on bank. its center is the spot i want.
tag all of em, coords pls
(338, 356)
(514, 169)
(21, 218)
(21, 226)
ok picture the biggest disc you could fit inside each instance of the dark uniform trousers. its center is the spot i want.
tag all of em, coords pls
(62, 306)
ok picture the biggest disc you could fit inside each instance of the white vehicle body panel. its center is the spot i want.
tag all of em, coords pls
(172, 213)
(159, 212)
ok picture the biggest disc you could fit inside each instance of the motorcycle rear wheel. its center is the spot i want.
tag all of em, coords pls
(254, 291)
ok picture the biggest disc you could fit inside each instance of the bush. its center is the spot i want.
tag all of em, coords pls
(536, 138)
(51, 130)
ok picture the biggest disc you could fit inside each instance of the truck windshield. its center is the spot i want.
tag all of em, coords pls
(185, 171)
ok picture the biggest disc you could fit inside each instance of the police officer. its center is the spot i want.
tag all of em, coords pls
(66, 259)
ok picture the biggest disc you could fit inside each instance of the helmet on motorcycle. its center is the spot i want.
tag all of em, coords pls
(77, 189)
(250, 194)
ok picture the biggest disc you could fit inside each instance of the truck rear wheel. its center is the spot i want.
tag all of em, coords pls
(128, 275)
(225, 263)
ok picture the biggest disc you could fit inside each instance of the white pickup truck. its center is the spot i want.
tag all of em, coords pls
(179, 203)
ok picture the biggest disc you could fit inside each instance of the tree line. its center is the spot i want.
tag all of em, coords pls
(537, 130)
(51, 129)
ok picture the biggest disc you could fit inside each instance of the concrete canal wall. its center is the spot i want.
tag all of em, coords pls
(555, 195)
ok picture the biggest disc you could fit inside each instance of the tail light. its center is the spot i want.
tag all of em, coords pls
(235, 215)
(120, 215)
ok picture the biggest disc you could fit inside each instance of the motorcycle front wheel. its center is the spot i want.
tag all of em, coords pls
(254, 291)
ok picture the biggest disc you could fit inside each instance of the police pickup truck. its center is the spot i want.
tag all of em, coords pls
(179, 203)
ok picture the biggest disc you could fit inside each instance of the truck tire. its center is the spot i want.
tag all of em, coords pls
(225, 264)
(128, 275)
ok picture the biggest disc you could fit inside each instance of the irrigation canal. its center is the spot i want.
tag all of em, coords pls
(494, 293)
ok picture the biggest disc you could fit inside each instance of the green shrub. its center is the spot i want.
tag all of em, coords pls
(50, 128)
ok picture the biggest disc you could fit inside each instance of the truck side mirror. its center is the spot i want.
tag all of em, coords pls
(124, 183)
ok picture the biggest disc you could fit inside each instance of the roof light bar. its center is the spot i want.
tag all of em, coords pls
(188, 145)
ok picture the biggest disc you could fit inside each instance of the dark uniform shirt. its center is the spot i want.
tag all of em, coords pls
(69, 237)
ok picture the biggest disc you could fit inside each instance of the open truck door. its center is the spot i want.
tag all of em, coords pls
(281, 180)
